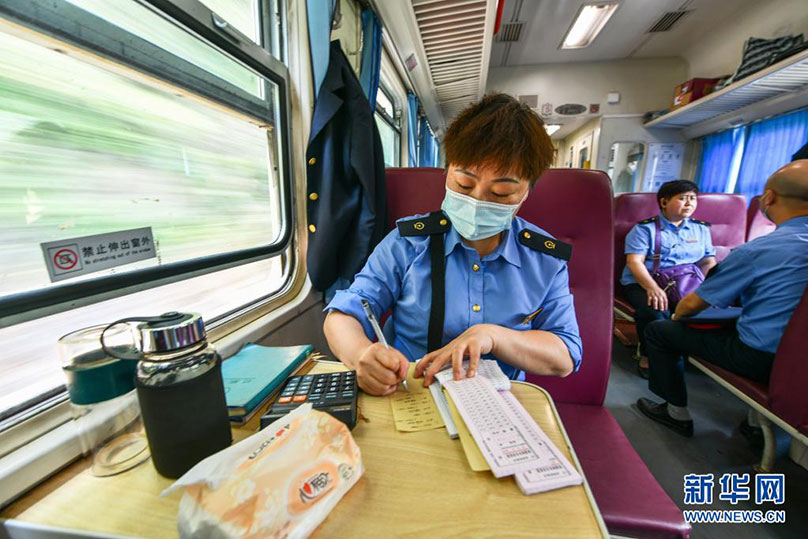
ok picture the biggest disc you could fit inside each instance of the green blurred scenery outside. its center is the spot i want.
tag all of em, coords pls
(87, 151)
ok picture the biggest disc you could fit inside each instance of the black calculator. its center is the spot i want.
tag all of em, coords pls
(335, 393)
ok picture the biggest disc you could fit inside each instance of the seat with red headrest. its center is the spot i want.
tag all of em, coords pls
(575, 206)
(756, 223)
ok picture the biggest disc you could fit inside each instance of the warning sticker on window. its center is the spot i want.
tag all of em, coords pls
(77, 256)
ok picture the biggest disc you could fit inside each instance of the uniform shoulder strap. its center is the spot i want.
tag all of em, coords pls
(701, 222)
(648, 220)
(545, 244)
(434, 223)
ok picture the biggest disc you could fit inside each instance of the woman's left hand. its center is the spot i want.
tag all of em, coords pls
(474, 342)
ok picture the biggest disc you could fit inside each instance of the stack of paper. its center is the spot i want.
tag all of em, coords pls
(495, 430)
(506, 437)
(487, 368)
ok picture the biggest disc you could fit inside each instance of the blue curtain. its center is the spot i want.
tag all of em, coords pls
(769, 146)
(719, 160)
(320, 13)
(428, 148)
(423, 142)
(412, 129)
(371, 55)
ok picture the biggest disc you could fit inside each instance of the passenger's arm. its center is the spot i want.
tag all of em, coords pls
(379, 369)
(689, 305)
(706, 264)
(657, 299)
(347, 329)
(729, 279)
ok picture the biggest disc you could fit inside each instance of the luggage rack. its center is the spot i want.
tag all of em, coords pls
(778, 88)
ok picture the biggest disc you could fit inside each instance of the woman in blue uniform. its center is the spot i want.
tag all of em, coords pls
(683, 241)
(506, 293)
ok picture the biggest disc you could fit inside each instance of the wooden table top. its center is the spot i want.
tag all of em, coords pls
(414, 483)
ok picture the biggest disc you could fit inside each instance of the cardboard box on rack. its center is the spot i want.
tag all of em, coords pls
(689, 91)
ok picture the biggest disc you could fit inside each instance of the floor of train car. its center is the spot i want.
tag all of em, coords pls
(717, 447)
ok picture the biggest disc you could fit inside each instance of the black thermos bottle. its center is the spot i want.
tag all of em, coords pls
(180, 390)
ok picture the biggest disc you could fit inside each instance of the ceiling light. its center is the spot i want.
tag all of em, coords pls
(590, 21)
(552, 128)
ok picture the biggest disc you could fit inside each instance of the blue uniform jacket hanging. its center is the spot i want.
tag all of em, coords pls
(346, 193)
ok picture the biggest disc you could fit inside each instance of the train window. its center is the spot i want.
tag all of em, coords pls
(140, 123)
(389, 123)
(242, 14)
(625, 164)
(152, 26)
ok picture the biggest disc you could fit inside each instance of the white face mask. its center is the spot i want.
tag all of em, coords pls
(476, 220)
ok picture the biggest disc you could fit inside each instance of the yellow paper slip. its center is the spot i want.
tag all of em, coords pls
(414, 410)
(473, 453)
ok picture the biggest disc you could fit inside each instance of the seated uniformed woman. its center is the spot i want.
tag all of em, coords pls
(506, 293)
(683, 241)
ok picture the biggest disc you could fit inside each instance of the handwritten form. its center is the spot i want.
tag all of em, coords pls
(415, 410)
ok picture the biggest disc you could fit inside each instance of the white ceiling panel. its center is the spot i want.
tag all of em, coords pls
(625, 34)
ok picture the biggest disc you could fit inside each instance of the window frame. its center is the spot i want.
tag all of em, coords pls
(64, 22)
(394, 124)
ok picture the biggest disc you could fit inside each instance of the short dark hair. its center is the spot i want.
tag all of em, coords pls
(673, 188)
(500, 132)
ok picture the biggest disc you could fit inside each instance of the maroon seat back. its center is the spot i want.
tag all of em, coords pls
(756, 223)
(413, 190)
(789, 376)
(575, 206)
(726, 213)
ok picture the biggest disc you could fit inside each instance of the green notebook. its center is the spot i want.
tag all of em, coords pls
(255, 372)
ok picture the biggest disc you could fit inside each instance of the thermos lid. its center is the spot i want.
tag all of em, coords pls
(171, 331)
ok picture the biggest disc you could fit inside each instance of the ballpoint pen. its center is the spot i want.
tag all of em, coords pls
(378, 330)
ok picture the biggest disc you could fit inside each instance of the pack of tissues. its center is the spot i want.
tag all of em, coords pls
(280, 482)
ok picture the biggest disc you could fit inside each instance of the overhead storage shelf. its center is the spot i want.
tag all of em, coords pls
(785, 78)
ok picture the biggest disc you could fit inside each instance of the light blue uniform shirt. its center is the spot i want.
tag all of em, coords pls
(684, 244)
(769, 274)
(508, 285)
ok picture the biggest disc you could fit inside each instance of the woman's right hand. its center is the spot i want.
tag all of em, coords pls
(380, 369)
(657, 299)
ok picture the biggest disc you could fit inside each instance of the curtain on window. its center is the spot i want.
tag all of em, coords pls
(371, 55)
(770, 145)
(720, 159)
(428, 148)
(412, 129)
(320, 13)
